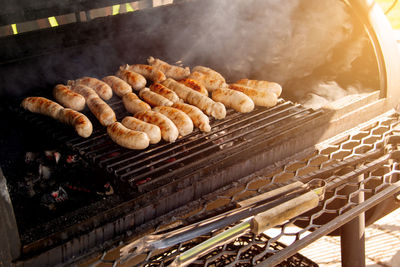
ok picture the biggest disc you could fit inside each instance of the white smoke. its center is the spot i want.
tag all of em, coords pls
(281, 41)
(323, 94)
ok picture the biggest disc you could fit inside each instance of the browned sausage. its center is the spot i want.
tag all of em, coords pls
(195, 85)
(210, 82)
(200, 120)
(81, 123)
(260, 98)
(171, 71)
(206, 104)
(233, 99)
(152, 131)
(262, 85)
(135, 80)
(101, 88)
(101, 110)
(126, 137)
(164, 91)
(178, 117)
(43, 106)
(119, 86)
(210, 73)
(169, 132)
(68, 98)
(154, 99)
(133, 104)
(147, 71)
(83, 90)
(50, 108)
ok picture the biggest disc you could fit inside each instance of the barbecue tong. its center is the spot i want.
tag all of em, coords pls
(259, 213)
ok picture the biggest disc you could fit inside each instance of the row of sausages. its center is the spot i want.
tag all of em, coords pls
(180, 101)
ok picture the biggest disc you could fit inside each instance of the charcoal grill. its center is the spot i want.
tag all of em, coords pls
(158, 184)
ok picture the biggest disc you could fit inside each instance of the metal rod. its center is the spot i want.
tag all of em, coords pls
(352, 234)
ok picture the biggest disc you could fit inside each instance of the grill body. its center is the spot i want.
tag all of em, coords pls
(156, 181)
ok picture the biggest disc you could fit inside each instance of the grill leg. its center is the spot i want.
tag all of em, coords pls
(352, 237)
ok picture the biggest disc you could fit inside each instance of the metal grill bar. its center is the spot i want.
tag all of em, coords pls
(160, 162)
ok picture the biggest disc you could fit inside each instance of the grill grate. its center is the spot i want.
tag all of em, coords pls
(163, 162)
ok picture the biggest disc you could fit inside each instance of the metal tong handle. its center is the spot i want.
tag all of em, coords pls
(259, 223)
(247, 208)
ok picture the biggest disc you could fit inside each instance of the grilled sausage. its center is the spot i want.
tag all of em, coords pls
(126, 137)
(68, 98)
(52, 109)
(206, 104)
(233, 99)
(262, 85)
(119, 86)
(178, 117)
(81, 123)
(170, 71)
(101, 88)
(169, 132)
(164, 91)
(152, 131)
(135, 80)
(211, 83)
(133, 104)
(101, 110)
(154, 99)
(195, 85)
(83, 90)
(42, 105)
(260, 98)
(209, 72)
(147, 71)
(200, 120)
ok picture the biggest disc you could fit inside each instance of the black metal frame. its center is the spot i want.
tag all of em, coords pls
(10, 246)
(27, 10)
(78, 41)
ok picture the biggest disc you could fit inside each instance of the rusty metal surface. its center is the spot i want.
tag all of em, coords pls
(370, 151)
